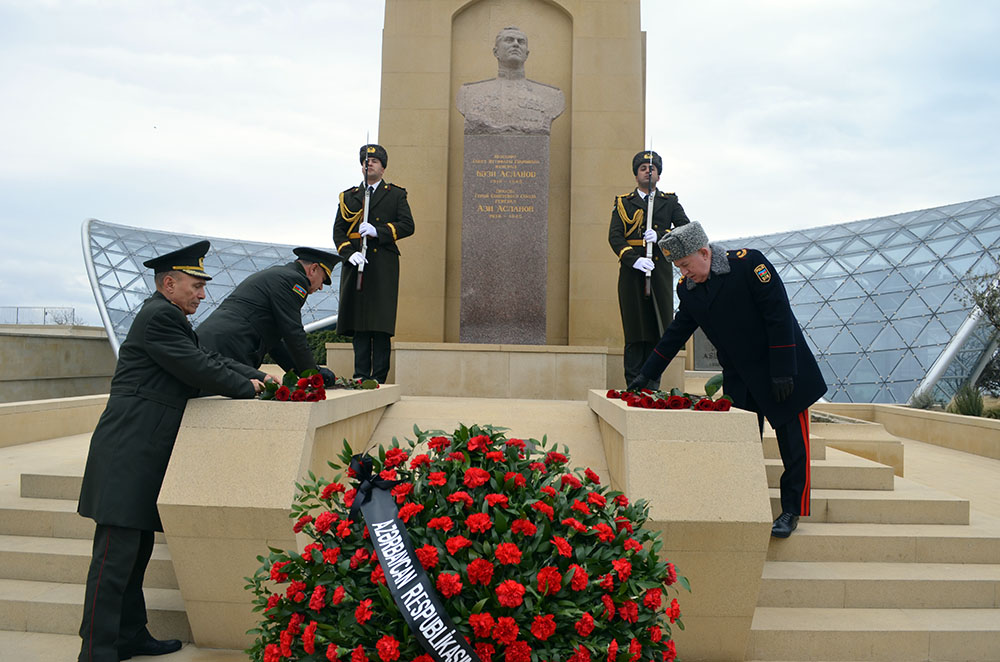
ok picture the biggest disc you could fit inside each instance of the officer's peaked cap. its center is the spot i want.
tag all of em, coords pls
(324, 259)
(190, 260)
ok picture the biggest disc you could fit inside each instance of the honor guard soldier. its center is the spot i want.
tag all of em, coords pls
(160, 366)
(644, 316)
(370, 221)
(739, 301)
(263, 315)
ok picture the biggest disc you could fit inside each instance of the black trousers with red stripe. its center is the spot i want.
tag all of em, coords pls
(793, 444)
(114, 609)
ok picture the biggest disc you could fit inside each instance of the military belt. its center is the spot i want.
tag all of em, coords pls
(151, 395)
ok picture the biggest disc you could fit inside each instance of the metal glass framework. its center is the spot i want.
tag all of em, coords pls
(114, 255)
(881, 300)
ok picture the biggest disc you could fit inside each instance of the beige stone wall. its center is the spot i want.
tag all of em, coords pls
(593, 50)
(53, 362)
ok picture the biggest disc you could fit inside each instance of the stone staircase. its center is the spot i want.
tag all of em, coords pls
(884, 569)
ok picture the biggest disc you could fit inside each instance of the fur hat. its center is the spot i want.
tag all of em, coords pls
(681, 242)
(376, 151)
(646, 157)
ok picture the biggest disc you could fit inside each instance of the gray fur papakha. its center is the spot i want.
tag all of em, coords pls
(681, 242)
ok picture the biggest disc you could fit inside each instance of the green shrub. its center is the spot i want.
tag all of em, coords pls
(968, 401)
(992, 412)
(924, 400)
(319, 339)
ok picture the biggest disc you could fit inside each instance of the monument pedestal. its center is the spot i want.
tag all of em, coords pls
(703, 476)
(228, 491)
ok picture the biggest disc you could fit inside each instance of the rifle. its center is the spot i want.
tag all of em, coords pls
(364, 219)
(649, 222)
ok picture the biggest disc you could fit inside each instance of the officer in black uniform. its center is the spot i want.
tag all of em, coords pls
(738, 300)
(160, 366)
(643, 318)
(369, 314)
(263, 315)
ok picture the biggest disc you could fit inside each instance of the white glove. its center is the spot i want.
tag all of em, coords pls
(650, 236)
(367, 229)
(357, 258)
(643, 264)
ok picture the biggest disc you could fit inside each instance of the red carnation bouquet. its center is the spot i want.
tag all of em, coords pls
(676, 399)
(532, 561)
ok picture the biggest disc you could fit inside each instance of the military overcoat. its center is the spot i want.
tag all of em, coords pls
(747, 317)
(374, 307)
(263, 315)
(628, 225)
(160, 366)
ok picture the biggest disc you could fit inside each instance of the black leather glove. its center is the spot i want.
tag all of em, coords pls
(328, 377)
(781, 388)
(640, 382)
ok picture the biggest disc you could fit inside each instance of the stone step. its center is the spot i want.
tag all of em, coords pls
(817, 446)
(839, 471)
(67, 560)
(50, 486)
(55, 518)
(979, 542)
(907, 503)
(57, 608)
(874, 635)
(46, 647)
(880, 585)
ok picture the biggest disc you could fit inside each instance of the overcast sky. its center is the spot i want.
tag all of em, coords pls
(242, 118)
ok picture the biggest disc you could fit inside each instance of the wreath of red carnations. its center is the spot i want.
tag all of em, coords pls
(533, 561)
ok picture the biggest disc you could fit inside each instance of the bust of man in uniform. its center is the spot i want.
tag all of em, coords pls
(510, 103)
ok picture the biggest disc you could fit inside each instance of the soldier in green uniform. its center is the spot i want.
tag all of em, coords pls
(643, 318)
(263, 315)
(369, 314)
(160, 366)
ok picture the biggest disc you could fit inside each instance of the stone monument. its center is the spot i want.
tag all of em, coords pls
(505, 199)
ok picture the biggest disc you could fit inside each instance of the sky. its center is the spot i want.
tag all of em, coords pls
(242, 118)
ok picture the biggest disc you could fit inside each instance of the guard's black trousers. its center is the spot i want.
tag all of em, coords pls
(793, 444)
(114, 610)
(371, 355)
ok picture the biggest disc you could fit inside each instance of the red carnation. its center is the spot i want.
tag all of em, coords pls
(460, 496)
(580, 578)
(474, 477)
(359, 557)
(301, 522)
(457, 543)
(580, 507)
(331, 555)
(479, 522)
(296, 591)
(562, 546)
(387, 474)
(723, 404)
(629, 611)
(555, 458)
(581, 654)
(518, 443)
(632, 545)
(449, 584)
(585, 625)
(613, 650)
(544, 627)
(623, 523)
(538, 466)
(655, 633)
(318, 599)
(428, 556)
(574, 524)
(652, 599)
(480, 571)
(607, 582)
(505, 631)
(484, 651)
(479, 443)
(609, 606)
(508, 553)
(518, 478)
(443, 523)
(482, 624)
(437, 478)
(324, 521)
(363, 612)
(510, 593)
(394, 457)
(438, 443)
(604, 532)
(671, 574)
(331, 489)
(635, 648)
(497, 499)
(592, 476)
(388, 648)
(409, 510)
(621, 501)
(378, 575)
(519, 651)
(283, 393)
(674, 610)
(549, 580)
(358, 655)
(309, 637)
(494, 456)
(401, 491)
(455, 456)
(331, 653)
(420, 460)
(623, 567)
(338, 595)
(548, 490)
(343, 528)
(524, 527)
(670, 654)
(572, 481)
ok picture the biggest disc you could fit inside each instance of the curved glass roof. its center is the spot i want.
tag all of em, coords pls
(881, 300)
(114, 255)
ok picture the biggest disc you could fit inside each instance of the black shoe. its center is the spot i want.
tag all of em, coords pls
(149, 646)
(784, 525)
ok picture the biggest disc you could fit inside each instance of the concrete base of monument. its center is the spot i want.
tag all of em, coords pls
(231, 480)
(541, 372)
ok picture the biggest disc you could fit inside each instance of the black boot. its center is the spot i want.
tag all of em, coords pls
(145, 644)
(784, 525)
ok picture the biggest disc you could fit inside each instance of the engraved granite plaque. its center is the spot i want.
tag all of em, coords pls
(704, 352)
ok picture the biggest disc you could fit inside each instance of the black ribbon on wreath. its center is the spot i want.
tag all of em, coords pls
(411, 589)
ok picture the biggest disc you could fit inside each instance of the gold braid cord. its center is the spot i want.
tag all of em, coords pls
(630, 223)
(352, 217)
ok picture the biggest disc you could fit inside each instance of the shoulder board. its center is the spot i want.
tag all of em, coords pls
(630, 194)
(680, 280)
(352, 189)
(391, 186)
(738, 254)
(664, 194)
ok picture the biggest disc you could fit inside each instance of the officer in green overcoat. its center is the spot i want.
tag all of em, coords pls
(369, 313)
(643, 317)
(263, 315)
(160, 366)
